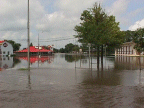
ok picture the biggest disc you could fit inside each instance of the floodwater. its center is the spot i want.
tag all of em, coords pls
(69, 81)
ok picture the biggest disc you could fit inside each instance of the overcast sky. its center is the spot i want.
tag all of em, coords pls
(55, 19)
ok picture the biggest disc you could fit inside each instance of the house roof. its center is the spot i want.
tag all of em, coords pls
(1, 41)
(35, 49)
(128, 43)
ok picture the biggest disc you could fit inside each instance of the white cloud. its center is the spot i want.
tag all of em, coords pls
(137, 24)
(13, 19)
(62, 22)
(13, 14)
(118, 7)
(56, 22)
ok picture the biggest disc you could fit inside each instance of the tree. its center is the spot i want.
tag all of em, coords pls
(138, 38)
(31, 44)
(55, 50)
(128, 36)
(84, 47)
(71, 47)
(16, 46)
(62, 50)
(76, 48)
(99, 29)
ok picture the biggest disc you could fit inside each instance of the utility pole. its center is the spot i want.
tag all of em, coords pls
(38, 50)
(38, 44)
(28, 40)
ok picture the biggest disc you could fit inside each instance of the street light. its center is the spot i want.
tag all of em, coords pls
(38, 44)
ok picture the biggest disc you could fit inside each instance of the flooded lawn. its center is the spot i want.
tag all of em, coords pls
(68, 81)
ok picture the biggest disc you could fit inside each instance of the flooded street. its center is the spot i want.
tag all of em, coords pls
(68, 81)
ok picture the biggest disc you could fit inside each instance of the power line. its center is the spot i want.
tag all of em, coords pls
(57, 40)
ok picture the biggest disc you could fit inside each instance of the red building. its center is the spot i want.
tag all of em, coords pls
(34, 50)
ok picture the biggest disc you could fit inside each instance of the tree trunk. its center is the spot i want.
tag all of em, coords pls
(102, 57)
(98, 57)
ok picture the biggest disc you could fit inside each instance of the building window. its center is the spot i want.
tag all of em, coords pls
(4, 52)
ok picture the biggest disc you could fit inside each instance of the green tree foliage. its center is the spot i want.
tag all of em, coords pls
(98, 28)
(31, 44)
(16, 46)
(84, 47)
(128, 36)
(55, 50)
(138, 38)
(62, 50)
(71, 47)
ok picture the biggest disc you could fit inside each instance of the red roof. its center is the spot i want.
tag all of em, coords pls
(1, 41)
(34, 49)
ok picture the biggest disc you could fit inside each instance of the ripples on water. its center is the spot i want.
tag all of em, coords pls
(59, 85)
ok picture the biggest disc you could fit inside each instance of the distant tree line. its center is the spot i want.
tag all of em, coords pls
(70, 48)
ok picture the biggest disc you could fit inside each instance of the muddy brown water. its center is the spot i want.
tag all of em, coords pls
(54, 82)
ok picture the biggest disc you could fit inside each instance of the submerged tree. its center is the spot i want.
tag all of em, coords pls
(99, 29)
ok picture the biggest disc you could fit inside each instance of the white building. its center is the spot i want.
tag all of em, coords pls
(126, 49)
(6, 48)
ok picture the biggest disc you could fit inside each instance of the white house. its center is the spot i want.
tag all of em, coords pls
(6, 48)
(126, 49)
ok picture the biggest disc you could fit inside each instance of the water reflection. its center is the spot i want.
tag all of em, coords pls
(129, 63)
(63, 85)
(120, 74)
(6, 62)
(16, 61)
(121, 86)
(72, 58)
(34, 59)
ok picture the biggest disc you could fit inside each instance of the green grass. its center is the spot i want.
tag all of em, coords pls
(23, 69)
